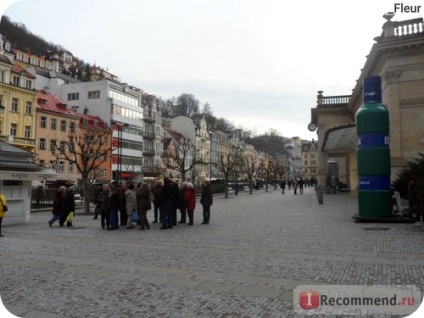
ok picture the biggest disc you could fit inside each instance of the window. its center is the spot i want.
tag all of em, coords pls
(313, 162)
(42, 144)
(93, 94)
(72, 127)
(71, 146)
(28, 108)
(53, 145)
(63, 146)
(61, 166)
(73, 96)
(306, 162)
(27, 132)
(15, 104)
(16, 80)
(43, 122)
(104, 173)
(71, 167)
(53, 123)
(63, 125)
(13, 129)
(28, 84)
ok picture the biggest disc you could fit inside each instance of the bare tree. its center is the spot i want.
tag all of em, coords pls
(87, 153)
(280, 170)
(266, 165)
(177, 157)
(226, 164)
(249, 168)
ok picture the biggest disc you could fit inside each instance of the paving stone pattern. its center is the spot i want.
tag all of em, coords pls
(245, 263)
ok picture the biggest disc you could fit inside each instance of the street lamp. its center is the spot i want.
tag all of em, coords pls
(120, 126)
(210, 163)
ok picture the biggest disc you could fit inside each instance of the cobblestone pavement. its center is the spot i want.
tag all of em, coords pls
(245, 263)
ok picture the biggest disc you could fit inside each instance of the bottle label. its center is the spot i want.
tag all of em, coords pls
(374, 183)
(373, 141)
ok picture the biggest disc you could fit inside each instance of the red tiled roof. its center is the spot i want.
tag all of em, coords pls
(50, 102)
(176, 135)
(20, 70)
(91, 119)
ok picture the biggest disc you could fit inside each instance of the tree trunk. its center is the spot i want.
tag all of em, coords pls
(87, 195)
(226, 187)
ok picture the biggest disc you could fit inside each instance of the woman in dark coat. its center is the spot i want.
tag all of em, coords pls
(143, 203)
(68, 206)
(206, 200)
(57, 205)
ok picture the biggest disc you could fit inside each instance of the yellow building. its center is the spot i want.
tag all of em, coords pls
(18, 103)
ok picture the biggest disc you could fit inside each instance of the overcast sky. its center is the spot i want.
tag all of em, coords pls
(258, 63)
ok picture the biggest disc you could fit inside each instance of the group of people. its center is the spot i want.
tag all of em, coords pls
(297, 184)
(126, 205)
(63, 207)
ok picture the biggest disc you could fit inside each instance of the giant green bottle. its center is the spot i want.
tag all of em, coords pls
(373, 129)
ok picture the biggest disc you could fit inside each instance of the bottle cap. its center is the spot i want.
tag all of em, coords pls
(372, 89)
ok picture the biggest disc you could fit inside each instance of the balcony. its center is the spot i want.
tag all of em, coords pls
(148, 153)
(332, 101)
(150, 136)
(18, 140)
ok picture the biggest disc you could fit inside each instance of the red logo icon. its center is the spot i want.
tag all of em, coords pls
(309, 299)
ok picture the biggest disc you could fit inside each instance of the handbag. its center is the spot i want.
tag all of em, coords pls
(134, 216)
(70, 217)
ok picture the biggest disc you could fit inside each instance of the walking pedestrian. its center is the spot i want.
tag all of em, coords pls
(182, 205)
(283, 185)
(157, 201)
(190, 202)
(103, 202)
(114, 205)
(295, 185)
(97, 210)
(143, 204)
(131, 204)
(301, 184)
(3, 209)
(68, 207)
(57, 205)
(206, 200)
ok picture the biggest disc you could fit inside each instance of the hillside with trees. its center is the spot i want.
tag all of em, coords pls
(185, 104)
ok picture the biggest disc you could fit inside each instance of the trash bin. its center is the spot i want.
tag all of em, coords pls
(320, 196)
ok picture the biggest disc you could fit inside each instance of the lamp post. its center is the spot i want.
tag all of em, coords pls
(120, 126)
(210, 163)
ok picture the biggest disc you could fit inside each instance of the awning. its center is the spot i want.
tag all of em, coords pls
(342, 139)
(46, 174)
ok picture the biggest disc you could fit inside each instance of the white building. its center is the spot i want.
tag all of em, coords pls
(120, 106)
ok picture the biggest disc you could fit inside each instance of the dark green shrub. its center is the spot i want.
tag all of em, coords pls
(414, 170)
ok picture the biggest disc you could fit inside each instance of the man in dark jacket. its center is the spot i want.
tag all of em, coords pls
(167, 195)
(157, 201)
(68, 206)
(206, 200)
(114, 205)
